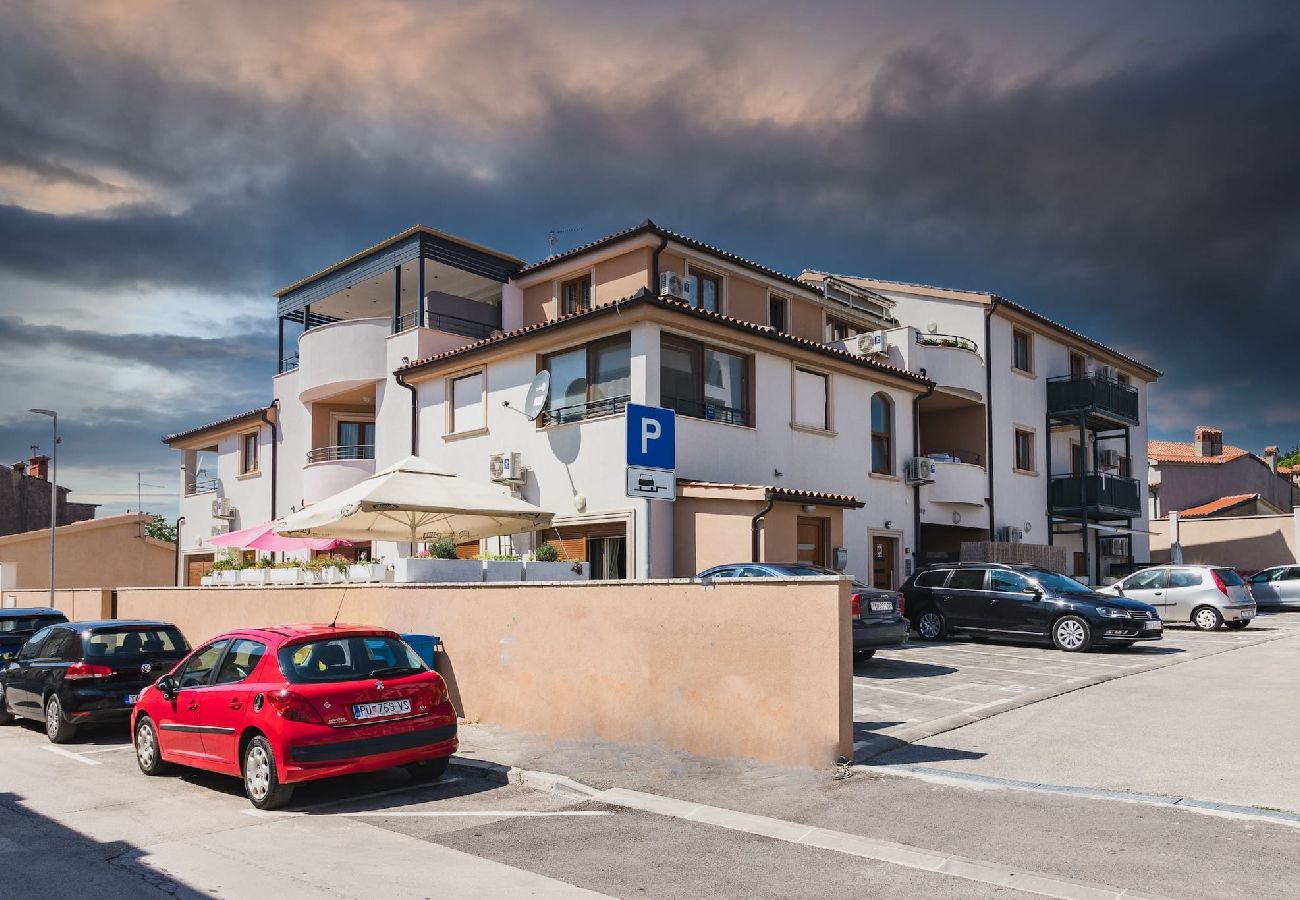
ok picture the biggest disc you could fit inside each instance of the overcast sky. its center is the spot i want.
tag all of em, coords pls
(1132, 170)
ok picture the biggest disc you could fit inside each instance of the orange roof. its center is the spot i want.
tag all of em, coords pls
(1216, 506)
(1179, 452)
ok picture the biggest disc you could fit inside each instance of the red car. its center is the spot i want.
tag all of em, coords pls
(295, 703)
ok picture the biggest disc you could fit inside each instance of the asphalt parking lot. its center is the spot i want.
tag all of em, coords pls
(923, 689)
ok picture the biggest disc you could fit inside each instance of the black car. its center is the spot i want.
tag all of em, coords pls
(877, 615)
(1014, 601)
(17, 625)
(86, 673)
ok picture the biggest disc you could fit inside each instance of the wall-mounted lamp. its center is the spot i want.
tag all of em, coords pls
(809, 508)
(889, 524)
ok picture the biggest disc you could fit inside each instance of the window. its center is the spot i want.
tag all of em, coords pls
(1123, 378)
(1180, 578)
(347, 659)
(248, 453)
(198, 671)
(708, 291)
(882, 435)
(1150, 580)
(1005, 582)
(575, 295)
(1078, 365)
(1022, 351)
(812, 405)
(240, 662)
(468, 409)
(355, 439)
(594, 380)
(136, 640)
(932, 579)
(1024, 450)
(62, 646)
(967, 580)
(704, 383)
(776, 313)
(33, 644)
(838, 330)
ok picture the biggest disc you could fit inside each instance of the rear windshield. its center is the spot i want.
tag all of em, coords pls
(348, 659)
(28, 624)
(123, 642)
(1230, 577)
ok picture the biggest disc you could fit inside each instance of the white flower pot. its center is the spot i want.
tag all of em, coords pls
(287, 576)
(367, 572)
(503, 570)
(228, 576)
(208, 580)
(254, 576)
(330, 575)
(556, 571)
(417, 570)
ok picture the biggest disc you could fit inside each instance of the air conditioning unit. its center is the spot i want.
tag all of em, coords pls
(673, 285)
(221, 509)
(919, 470)
(1110, 459)
(1113, 546)
(1010, 534)
(505, 468)
(873, 342)
(219, 530)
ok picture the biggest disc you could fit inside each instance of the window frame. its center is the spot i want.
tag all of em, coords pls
(887, 435)
(589, 349)
(702, 274)
(992, 587)
(696, 348)
(562, 300)
(1082, 371)
(774, 298)
(245, 437)
(229, 654)
(1032, 435)
(828, 421)
(1016, 333)
(450, 430)
(223, 643)
(984, 580)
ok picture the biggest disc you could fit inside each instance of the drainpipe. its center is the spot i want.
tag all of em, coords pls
(275, 448)
(179, 522)
(753, 527)
(916, 488)
(988, 410)
(654, 268)
(415, 412)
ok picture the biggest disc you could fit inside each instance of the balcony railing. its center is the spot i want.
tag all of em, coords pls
(962, 456)
(342, 451)
(289, 363)
(714, 412)
(1104, 493)
(204, 486)
(956, 342)
(1095, 395)
(449, 324)
(606, 406)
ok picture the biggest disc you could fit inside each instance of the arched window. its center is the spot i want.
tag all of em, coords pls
(882, 435)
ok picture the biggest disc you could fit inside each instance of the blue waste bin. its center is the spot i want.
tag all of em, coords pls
(425, 647)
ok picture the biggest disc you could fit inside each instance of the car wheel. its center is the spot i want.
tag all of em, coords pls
(261, 780)
(58, 729)
(1238, 625)
(1206, 618)
(931, 625)
(1071, 634)
(430, 769)
(5, 715)
(863, 655)
(147, 753)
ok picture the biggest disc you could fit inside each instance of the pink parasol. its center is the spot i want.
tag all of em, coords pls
(262, 537)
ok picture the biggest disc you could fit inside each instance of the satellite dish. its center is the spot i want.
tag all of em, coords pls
(932, 327)
(538, 393)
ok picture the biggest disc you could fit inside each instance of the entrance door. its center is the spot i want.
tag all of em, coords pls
(196, 567)
(812, 541)
(884, 562)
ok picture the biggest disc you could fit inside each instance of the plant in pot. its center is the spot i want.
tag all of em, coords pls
(226, 567)
(545, 565)
(288, 571)
(437, 563)
(329, 569)
(502, 567)
(256, 572)
(368, 570)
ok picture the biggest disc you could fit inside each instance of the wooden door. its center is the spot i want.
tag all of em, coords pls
(196, 567)
(884, 562)
(812, 540)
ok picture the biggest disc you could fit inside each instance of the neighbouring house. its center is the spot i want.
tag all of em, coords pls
(795, 440)
(25, 498)
(1209, 478)
(110, 552)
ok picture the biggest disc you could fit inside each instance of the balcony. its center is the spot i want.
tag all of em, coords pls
(202, 486)
(958, 481)
(333, 469)
(342, 356)
(347, 451)
(449, 324)
(579, 411)
(1104, 496)
(1100, 401)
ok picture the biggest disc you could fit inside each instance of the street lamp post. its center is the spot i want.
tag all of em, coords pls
(54, 490)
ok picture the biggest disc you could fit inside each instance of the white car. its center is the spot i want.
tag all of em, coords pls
(1206, 596)
(1278, 587)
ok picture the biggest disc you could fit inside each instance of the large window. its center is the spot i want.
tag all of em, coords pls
(575, 295)
(778, 313)
(708, 291)
(1024, 450)
(594, 380)
(704, 383)
(882, 435)
(812, 407)
(248, 453)
(355, 440)
(468, 408)
(1022, 351)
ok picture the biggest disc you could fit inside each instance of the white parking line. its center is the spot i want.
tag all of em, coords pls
(1075, 660)
(908, 693)
(107, 749)
(70, 755)
(432, 814)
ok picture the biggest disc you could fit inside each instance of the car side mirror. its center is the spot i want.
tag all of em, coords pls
(1034, 593)
(166, 686)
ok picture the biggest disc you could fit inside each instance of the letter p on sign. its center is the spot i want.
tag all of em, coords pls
(651, 437)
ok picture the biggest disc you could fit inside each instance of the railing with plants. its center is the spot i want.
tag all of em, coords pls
(954, 341)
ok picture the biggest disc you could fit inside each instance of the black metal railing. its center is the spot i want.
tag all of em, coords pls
(1101, 491)
(576, 412)
(449, 324)
(289, 363)
(1096, 394)
(961, 456)
(341, 451)
(714, 412)
(954, 341)
(204, 486)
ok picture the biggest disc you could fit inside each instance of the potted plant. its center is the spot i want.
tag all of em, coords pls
(367, 570)
(502, 567)
(210, 577)
(258, 572)
(288, 571)
(328, 569)
(226, 570)
(437, 564)
(545, 565)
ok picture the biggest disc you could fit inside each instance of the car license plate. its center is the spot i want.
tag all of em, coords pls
(131, 698)
(1151, 626)
(379, 710)
(882, 605)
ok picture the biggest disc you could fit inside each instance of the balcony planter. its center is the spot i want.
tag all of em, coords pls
(294, 575)
(503, 570)
(367, 572)
(254, 576)
(426, 570)
(330, 575)
(228, 576)
(556, 571)
(209, 580)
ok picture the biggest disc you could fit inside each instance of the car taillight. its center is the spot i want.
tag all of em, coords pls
(902, 603)
(1218, 583)
(439, 691)
(857, 606)
(78, 671)
(294, 707)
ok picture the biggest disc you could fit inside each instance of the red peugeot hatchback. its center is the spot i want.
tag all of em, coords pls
(294, 703)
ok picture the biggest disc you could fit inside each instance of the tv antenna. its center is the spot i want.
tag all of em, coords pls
(553, 239)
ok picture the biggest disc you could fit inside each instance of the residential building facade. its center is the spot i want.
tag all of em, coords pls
(1210, 478)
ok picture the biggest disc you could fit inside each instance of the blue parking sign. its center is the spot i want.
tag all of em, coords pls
(651, 437)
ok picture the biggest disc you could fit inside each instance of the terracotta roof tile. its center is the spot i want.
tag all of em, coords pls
(1217, 506)
(230, 420)
(1179, 452)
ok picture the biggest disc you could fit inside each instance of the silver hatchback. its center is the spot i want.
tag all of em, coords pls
(1206, 596)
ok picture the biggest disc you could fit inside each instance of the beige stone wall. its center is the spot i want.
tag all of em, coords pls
(97, 553)
(1248, 543)
(754, 670)
(79, 605)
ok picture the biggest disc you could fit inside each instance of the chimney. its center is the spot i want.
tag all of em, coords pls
(1209, 441)
(1270, 457)
(20, 467)
(40, 467)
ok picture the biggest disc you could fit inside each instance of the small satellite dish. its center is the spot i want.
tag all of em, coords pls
(538, 393)
(932, 327)
(1029, 526)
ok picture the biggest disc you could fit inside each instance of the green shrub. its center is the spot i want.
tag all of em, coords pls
(547, 553)
(442, 548)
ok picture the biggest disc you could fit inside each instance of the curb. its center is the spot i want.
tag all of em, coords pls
(541, 781)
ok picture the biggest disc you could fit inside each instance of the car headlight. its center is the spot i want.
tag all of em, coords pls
(1110, 612)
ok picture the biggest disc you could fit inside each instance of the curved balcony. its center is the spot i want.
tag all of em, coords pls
(952, 362)
(333, 469)
(342, 356)
(958, 482)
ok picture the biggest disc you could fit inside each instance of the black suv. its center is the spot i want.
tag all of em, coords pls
(85, 673)
(17, 625)
(1023, 601)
